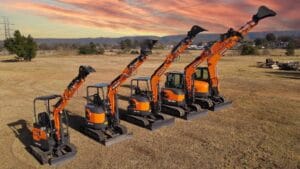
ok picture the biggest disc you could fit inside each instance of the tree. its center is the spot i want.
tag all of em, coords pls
(258, 42)
(24, 47)
(290, 49)
(248, 50)
(270, 37)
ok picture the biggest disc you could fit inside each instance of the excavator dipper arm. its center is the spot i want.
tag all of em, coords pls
(84, 71)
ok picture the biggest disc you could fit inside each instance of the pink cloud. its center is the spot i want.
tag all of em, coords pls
(163, 17)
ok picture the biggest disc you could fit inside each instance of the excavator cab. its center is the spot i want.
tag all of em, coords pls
(140, 109)
(140, 96)
(96, 107)
(174, 80)
(43, 133)
(174, 101)
(204, 94)
(201, 82)
(173, 92)
(99, 123)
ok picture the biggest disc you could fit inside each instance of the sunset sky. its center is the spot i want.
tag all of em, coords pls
(114, 18)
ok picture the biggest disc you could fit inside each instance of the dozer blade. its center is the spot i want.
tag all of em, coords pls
(117, 139)
(148, 122)
(67, 152)
(165, 121)
(220, 106)
(195, 114)
(104, 138)
(185, 114)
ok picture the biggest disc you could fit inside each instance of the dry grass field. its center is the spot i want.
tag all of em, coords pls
(260, 130)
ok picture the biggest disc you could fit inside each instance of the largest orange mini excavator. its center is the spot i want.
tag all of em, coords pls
(144, 104)
(201, 84)
(51, 140)
(102, 114)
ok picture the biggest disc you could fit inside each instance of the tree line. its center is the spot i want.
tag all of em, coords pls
(270, 41)
(25, 48)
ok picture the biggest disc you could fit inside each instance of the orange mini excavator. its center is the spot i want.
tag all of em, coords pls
(102, 114)
(51, 140)
(201, 84)
(144, 103)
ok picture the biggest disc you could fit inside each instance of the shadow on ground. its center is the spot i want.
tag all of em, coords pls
(10, 60)
(75, 121)
(22, 132)
(287, 74)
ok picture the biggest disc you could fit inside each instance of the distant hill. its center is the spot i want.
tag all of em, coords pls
(172, 39)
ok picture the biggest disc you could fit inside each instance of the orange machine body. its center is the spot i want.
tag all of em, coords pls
(173, 96)
(201, 87)
(141, 105)
(39, 134)
(95, 117)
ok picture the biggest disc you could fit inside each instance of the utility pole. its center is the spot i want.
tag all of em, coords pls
(6, 27)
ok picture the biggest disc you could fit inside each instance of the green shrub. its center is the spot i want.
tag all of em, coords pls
(90, 49)
(134, 52)
(248, 50)
(101, 51)
(24, 47)
(290, 49)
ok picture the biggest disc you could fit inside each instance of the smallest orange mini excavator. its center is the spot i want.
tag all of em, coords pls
(51, 140)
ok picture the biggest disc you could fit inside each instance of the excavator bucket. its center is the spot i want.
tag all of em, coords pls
(85, 71)
(147, 45)
(263, 12)
(195, 30)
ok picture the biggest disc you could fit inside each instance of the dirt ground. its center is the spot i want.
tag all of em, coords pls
(260, 130)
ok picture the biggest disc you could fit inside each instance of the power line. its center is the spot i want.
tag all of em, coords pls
(7, 29)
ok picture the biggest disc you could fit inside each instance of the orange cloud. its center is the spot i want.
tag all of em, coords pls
(162, 17)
